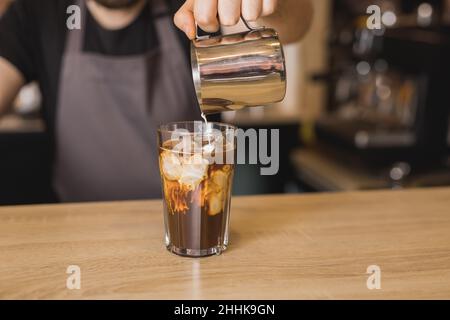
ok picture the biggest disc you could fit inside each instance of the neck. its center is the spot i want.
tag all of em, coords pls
(114, 19)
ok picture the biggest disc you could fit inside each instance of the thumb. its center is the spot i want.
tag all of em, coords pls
(184, 19)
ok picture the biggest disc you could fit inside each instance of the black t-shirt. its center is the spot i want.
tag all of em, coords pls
(33, 36)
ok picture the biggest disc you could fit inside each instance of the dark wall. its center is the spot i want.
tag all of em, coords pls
(25, 168)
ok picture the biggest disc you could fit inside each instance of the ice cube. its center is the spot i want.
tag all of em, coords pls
(197, 147)
(215, 204)
(208, 148)
(171, 165)
(220, 180)
(195, 170)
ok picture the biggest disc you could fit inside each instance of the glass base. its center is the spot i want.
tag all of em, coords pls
(196, 253)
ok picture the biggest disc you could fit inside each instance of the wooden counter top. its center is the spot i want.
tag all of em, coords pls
(294, 247)
(15, 124)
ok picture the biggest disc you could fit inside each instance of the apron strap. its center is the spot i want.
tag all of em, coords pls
(159, 8)
(168, 39)
(75, 38)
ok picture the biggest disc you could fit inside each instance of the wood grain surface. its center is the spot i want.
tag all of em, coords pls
(292, 247)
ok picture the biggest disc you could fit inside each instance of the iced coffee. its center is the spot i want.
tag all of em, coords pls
(197, 165)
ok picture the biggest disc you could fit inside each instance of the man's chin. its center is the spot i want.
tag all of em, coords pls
(117, 4)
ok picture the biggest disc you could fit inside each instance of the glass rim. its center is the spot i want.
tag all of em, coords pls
(163, 128)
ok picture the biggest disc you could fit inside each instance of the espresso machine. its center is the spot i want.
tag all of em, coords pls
(389, 88)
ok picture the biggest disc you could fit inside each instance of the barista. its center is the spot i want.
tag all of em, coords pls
(107, 86)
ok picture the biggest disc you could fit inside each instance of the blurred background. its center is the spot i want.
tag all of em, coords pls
(365, 109)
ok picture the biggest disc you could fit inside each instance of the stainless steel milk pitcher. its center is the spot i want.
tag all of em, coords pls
(240, 70)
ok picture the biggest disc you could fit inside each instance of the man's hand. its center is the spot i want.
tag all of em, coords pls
(210, 14)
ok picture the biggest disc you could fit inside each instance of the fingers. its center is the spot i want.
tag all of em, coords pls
(229, 12)
(251, 9)
(184, 19)
(269, 7)
(205, 13)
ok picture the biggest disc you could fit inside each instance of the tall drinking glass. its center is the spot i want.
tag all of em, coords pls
(196, 165)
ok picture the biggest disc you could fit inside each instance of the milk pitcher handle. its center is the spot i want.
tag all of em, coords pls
(249, 27)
